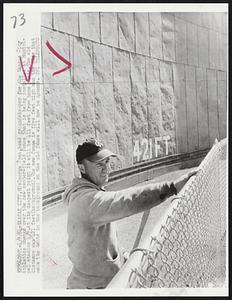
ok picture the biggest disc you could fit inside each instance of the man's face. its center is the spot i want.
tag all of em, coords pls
(98, 172)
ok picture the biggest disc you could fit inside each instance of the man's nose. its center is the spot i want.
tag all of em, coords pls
(108, 167)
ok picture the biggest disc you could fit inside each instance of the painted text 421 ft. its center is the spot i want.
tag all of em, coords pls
(144, 149)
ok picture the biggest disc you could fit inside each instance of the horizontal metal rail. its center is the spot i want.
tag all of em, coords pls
(55, 196)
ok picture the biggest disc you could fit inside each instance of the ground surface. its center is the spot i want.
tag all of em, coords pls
(56, 265)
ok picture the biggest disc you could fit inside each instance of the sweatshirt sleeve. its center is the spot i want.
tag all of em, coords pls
(106, 207)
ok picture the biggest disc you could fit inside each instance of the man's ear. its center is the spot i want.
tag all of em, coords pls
(81, 168)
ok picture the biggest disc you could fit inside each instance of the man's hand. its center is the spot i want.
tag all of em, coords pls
(180, 182)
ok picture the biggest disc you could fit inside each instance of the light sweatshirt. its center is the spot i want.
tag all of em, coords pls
(92, 238)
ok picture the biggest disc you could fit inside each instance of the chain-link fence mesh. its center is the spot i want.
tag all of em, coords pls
(187, 248)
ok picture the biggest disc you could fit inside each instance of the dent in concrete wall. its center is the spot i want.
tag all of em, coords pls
(156, 81)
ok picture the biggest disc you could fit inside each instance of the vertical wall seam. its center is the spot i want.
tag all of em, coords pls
(174, 98)
(186, 35)
(149, 33)
(94, 92)
(80, 23)
(198, 59)
(162, 39)
(175, 40)
(146, 87)
(72, 83)
(187, 42)
(186, 108)
(160, 104)
(207, 85)
(185, 72)
(118, 30)
(198, 136)
(209, 50)
(52, 20)
(217, 107)
(113, 84)
(132, 138)
(134, 32)
(220, 52)
(175, 116)
(79, 32)
(42, 65)
(227, 102)
(208, 58)
(174, 34)
(69, 54)
(185, 105)
(100, 31)
(207, 88)
(70, 94)
(73, 77)
(159, 82)
(185, 83)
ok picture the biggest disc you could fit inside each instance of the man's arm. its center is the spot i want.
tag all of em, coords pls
(110, 206)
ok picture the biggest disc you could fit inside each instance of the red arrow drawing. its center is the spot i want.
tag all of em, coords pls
(60, 57)
(30, 69)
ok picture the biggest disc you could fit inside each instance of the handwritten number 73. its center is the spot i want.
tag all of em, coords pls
(21, 20)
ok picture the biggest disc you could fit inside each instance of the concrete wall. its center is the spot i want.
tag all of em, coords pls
(146, 84)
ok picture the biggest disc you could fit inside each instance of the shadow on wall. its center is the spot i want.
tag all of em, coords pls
(146, 84)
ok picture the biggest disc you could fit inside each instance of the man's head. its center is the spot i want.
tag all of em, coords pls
(93, 161)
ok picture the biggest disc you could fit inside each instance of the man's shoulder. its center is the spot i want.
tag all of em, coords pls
(83, 183)
(79, 187)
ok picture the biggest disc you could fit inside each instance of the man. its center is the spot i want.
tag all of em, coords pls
(92, 238)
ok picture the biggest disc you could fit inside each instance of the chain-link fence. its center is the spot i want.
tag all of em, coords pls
(187, 247)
